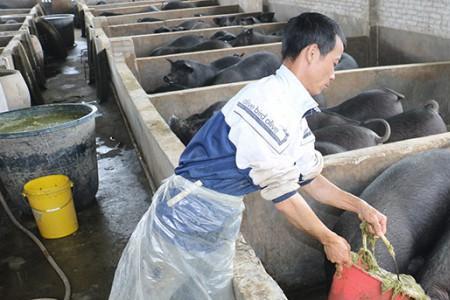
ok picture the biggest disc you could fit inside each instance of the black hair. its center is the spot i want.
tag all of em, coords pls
(310, 28)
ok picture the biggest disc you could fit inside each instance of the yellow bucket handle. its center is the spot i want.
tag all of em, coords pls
(51, 209)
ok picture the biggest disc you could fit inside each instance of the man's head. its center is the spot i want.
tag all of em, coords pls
(312, 46)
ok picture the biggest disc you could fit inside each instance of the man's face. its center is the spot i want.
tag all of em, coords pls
(322, 68)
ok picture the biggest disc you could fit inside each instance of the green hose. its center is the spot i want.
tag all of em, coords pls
(64, 279)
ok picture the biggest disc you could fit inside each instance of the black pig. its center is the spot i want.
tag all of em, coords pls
(244, 20)
(109, 14)
(194, 24)
(414, 195)
(148, 19)
(186, 129)
(351, 137)
(175, 4)
(415, 123)
(181, 42)
(435, 276)
(189, 73)
(326, 118)
(187, 25)
(162, 29)
(253, 37)
(226, 61)
(346, 62)
(378, 103)
(223, 36)
(205, 45)
(254, 66)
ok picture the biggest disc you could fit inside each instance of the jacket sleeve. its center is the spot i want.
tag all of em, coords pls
(310, 161)
(261, 140)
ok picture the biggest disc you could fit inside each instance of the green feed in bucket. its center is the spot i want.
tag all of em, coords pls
(37, 122)
(389, 281)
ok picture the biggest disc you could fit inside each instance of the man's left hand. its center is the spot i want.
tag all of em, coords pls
(376, 220)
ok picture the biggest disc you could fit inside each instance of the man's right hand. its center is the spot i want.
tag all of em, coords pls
(337, 251)
(298, 213)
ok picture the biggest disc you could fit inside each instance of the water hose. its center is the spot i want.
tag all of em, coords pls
(65, 280)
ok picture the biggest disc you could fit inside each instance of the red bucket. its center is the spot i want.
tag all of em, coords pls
(356, 284)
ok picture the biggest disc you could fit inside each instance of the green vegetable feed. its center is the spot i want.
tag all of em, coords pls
(404, 284)
(37, 122)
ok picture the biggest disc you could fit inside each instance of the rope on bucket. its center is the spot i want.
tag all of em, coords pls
(398, 283)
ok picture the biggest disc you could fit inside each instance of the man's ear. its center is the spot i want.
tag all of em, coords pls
(312, 52)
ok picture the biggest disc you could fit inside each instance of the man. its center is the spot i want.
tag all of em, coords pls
(184, 245)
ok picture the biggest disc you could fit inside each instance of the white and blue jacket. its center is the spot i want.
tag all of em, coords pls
(260, 140)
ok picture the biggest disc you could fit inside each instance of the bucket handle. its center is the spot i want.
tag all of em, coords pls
(51, 209)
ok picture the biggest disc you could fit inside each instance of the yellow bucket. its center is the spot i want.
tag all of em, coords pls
(50, 198)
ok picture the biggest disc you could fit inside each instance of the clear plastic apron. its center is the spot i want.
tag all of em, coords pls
(183, 247)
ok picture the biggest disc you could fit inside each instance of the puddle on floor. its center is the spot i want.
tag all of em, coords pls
(14, 263)
(70, 70)
(67, 86)
(107, 149)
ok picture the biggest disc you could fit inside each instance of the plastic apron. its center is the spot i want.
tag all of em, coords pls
(183, 247)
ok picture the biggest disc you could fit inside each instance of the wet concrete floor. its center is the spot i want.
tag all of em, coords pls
(89, 256)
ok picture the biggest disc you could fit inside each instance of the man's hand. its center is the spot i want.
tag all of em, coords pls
(377, 221)
(327, 193)
(298, 213)
(337, 251)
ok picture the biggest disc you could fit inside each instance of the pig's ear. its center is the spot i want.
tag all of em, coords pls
(170, 61)
(249, 31)
(188, 67)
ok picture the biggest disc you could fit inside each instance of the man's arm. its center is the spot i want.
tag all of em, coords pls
(324, 191)
(298, 213)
